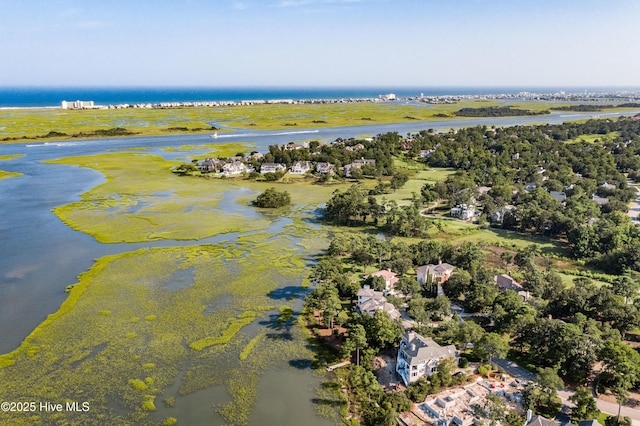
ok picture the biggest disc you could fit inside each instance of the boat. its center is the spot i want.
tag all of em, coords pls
(215, 135)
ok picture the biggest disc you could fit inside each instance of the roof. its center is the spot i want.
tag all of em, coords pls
(372, 305)
(538, 420)
(369, 292)
(593, 422)
(425, 348)
(385, 273)
(438, 270)
(505, 282)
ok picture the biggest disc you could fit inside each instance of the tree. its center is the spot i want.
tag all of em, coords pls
(585, 407)
(356, 340)
(382, 330)
(540, 399)
(490, 345)
(398, 180)
(622, 365)
(271, 199)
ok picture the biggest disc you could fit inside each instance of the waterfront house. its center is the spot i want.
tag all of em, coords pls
(300, 168)
(325, 168)
(420, 356)
(357, 164)
(211, 165)
(272, 168)
(234, 168)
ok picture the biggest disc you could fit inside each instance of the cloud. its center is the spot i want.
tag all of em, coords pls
(299, 3)
(91, 25)
(294, 3)
(240, 6)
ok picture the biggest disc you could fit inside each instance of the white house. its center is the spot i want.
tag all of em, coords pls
(420, 356)
(272, 168)
(463, 211)
(300, 168)
(234, 168)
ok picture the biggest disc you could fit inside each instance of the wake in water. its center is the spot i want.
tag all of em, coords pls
(239, 135)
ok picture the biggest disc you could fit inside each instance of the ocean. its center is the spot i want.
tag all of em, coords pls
(33, 97)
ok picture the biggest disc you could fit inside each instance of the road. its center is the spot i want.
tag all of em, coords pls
(521, 373)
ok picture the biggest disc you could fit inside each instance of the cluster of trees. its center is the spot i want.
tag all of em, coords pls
(494, 111)
(356, 206)
(594, 107)
(508, 159)
(381, 148)
(272, 199)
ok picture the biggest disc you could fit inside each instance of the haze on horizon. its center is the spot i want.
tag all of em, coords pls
(319, 43)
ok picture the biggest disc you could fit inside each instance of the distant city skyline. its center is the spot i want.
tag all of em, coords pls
(431, 43)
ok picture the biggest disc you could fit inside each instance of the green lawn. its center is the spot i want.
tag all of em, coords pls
(593, 137)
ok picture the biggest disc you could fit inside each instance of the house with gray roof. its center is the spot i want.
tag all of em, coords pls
(420, 356)
(370, 301)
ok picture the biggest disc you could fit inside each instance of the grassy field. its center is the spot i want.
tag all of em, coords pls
(30, 124)
(132, 322)
(593, 137)
(419, 178)
(206, 315)
(5, 175)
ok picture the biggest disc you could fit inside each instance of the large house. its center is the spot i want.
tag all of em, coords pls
(234, 168)
(439, 273)
(370, 301)
(357, 164)
(300, 168)
(420, 356)
(272, 168)
(463, 211)
(211, 164)
(390, 278)
(325, 168)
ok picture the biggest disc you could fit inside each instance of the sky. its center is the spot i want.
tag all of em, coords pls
(214, 43)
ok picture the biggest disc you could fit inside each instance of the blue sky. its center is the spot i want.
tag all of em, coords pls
(320, 42)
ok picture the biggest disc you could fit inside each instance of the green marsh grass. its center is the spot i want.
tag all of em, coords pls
(5, 175)
(29, 124)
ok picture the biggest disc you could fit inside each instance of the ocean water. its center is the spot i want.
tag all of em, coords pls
(31, 97)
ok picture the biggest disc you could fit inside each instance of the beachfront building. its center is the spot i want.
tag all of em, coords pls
(420, 356)
(77, 105)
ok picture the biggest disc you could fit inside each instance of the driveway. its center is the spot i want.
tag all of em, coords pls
(604, 406)
(513, 369)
